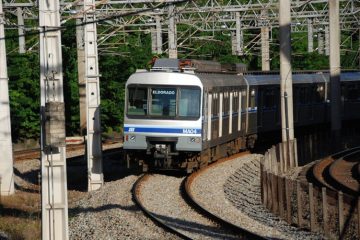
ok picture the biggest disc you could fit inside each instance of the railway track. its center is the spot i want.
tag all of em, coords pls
(35, 152)
(192, 210)
(170, 208)
(339, 172)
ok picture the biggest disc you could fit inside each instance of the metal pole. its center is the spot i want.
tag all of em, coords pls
(6, 160)
(172, 33)
(21, 31)
(93, 142)
(335, 70)
(310, 36)
(285, 72)
(54, 207)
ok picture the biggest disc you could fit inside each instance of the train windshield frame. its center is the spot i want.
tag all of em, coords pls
(163, 102)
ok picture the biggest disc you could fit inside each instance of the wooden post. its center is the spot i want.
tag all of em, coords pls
(291, 153)
(265, 189)
(273, 159)
(325, 211)
(341, 211)
(288, 200)
(296, 153)
(269, 203)
(281, 196)
(281, 149)
(275, 205)
(311, 204)
(299, 203)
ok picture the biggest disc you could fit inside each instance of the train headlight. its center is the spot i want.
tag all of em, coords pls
(132, 138)
(194, 140)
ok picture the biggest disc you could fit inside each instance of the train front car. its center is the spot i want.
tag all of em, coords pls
(162, 123)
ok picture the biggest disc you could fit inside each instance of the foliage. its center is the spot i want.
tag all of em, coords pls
(24, 92)
(133, 51)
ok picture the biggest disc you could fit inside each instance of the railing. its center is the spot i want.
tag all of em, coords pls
(318, 209)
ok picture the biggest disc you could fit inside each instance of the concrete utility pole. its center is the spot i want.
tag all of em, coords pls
(265, 48)
(6, 160)
(21, 31)
(327, 41)
(54, 205)
(81, 74)
(287, 124)
(172, 33)
(320, 42)
(239, 36)
(335, 90)
(156, 36)
(93, 142)
(310, 36)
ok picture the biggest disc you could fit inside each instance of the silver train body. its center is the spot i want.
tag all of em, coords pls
(180, 120)
(186, 119)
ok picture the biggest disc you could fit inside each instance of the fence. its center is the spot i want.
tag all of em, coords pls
(335, 214)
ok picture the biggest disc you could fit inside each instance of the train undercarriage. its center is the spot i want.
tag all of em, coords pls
(161, 155)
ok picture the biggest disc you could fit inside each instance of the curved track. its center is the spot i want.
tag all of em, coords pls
(137, 197)
(339, 172)
(188, 190)
(197, 224)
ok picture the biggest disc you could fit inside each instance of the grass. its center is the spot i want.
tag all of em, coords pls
(20, 216)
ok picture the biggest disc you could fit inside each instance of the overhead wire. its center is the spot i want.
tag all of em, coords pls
(37, 31)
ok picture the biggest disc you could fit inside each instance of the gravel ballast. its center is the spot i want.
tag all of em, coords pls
(231, 189)
(161, 195)
(110, 213)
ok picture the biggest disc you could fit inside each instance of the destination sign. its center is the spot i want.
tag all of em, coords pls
(163, 92)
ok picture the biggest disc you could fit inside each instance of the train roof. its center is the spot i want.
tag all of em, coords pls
(299, 78)
(210, 80)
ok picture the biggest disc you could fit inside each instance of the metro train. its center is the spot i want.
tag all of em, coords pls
(186, 114)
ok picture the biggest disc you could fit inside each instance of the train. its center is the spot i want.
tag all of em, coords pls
(185, 114)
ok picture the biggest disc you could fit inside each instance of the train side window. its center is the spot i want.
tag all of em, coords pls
(352, 93)
(252, 98)
(189, 102)
(214, 105)
(269, 98)
(243, 100)
(137, 101)
(304, 98)
(226, 103)
(235, 106)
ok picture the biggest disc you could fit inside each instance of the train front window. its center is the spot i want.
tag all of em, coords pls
(137, 101)
(163, 102)
(189, 102)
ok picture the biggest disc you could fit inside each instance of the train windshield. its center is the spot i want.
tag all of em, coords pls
(163, 102)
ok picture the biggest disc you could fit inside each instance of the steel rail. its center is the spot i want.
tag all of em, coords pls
(187, 187)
